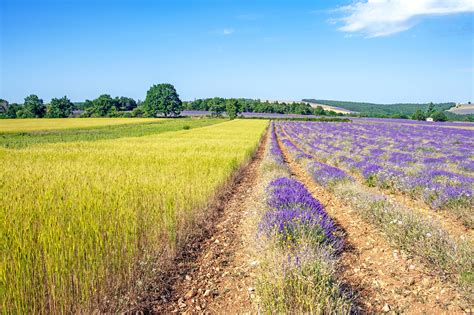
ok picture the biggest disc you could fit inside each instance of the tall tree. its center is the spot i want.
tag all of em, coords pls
(3, 106)
(217, 106)
(162, 99)
(102, 106)
(232, 108)
(60, 108)
(33, 107)
(12, 110)
(431, 109)
(125, 103)
(418, 115)
(439, 116)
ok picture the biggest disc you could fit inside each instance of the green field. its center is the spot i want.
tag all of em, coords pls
(77, 217)
(26, 125)
(135, 128)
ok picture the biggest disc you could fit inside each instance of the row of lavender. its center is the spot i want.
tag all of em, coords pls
(303, 243)
(428, 163)
(407, 229)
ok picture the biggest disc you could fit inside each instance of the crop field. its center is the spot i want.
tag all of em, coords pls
(434, 165)
(404, 183)
(78, 217)
(113, 131)
(25, 125)
(324, 217)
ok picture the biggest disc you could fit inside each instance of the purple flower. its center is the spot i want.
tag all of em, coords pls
(294, 213)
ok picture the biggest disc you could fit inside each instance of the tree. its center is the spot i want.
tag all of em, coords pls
(431, 110)
(418, 115)
(439, 116)
(60, 108)
(33, 107)
(125, 103)
(102, 106)
(162, 99)
(319, 110)
(216, 106)
(3, 107)
(12, 110)
(137, 112)
(232, 108)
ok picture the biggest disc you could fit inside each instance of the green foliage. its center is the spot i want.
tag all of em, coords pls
(439, 116)
(418, 115)
(162, 99)
(216, 105)
(12, 110)
(458, 117)
(232, 108)
(138, 112)
(125, 103)
(60, 108)
(32, 108)
(25, 139)
(383, 110)
(319, 110)
(106, 106)
(431, 109)
(100, 107)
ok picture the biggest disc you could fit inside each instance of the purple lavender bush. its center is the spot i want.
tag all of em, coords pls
(295, 215)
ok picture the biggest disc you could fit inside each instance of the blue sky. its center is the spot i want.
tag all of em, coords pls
(379, 50)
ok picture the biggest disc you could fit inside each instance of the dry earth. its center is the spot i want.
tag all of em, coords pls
(217, 274)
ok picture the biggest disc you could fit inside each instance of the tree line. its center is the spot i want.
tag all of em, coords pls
(235, 106)
(161, 99)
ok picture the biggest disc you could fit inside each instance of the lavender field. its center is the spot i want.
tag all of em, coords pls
(431, 164)
(332, 222)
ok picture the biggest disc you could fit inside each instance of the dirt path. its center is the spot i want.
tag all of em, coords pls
(218, 277)
(384, 278)
(444, 218)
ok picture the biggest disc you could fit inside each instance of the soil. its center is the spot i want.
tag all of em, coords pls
(216, 274)
(385, 279)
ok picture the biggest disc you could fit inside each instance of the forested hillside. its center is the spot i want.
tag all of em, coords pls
(371, 109)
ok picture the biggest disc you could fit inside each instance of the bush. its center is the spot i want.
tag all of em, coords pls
(439, 116)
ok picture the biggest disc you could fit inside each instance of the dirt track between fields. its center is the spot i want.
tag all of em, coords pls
(215, 274)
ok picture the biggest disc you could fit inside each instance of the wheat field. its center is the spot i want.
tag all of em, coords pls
(77, 217)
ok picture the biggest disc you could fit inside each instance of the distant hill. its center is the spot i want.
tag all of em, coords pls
(463, 109)
(372, 109)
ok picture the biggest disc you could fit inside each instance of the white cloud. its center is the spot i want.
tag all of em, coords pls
(227, 31)
(385, 17)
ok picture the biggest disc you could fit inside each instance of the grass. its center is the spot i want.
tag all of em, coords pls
(28, 125)
(77, 218)
(114, 131)
(413, 232)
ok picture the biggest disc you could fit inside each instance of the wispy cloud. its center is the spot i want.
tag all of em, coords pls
(376, 18)
(227, 31)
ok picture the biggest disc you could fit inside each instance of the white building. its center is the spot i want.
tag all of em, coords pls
(429, 119)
